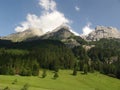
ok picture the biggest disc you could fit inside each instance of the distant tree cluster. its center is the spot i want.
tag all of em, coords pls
(83, 62)
(104, 57)
(26, 58)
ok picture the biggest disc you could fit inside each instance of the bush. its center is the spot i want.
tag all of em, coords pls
(11, 71)
(26, 72)
(15, 81)
(25, 87)
(6, 88)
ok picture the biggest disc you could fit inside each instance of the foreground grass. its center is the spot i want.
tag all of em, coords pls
(92, 81)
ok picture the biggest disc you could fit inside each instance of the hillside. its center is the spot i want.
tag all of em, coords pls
(92, 81)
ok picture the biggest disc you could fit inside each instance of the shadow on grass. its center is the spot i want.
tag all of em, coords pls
(54, 78)
(40, 77)
(82, 73)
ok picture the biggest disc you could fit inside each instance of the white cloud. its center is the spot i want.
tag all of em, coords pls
(48, 4)
(77, 8)
(46, 22)
(50, 19)
(87, 29)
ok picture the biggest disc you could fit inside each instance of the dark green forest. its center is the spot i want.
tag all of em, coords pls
(26, 58)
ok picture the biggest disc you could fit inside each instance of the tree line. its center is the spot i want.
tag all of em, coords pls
(104, 57)
(26, 58)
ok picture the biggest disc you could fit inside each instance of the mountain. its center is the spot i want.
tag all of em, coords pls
(21, 36)
(103, 32)
(62, 33)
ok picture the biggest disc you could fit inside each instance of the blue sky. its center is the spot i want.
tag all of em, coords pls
(89, 13)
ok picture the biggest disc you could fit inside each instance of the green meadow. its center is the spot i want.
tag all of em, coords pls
(65, 81)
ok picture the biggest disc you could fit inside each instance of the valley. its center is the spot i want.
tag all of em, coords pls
(66, 81)
(59, 44)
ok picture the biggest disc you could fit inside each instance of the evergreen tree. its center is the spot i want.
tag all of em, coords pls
(74, 72)
(56, 75)
(35, 69)
(26, 72)
(44, 74)
(75, 69)
(85, 68)
(91, 66)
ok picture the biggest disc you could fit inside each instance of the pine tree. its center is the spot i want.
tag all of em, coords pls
(74, 72)
(56, 75)
(35, 69)
(44, 74)
(85, 68)
(75, 69)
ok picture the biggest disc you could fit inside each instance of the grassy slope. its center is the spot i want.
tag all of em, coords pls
(65, 81)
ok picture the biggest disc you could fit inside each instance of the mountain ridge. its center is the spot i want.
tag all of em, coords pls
(103, 32)
(65, 34)
(21, 36)
(29, 33)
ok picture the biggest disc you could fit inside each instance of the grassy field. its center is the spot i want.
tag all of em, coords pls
(92, 81)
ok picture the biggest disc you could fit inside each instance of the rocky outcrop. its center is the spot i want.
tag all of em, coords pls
(21, 36)
(103, 32)
(63, 34)
(88, 47)
(59, 33)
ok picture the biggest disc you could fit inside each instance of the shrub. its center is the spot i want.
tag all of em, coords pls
(26, 72)
(6, 88)
(15, 81)
(25, 87)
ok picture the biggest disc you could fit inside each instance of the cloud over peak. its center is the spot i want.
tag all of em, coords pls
(50, 19)
(87, 29)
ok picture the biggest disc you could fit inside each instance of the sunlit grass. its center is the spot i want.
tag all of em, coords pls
(66, 81)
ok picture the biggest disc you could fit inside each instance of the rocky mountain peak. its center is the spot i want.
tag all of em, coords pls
(20, 36)
(62, 32)
(103, 32)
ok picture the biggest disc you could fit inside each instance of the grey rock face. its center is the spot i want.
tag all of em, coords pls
(63, 34)
(103, 32)
(20, 36)
(59, 33)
